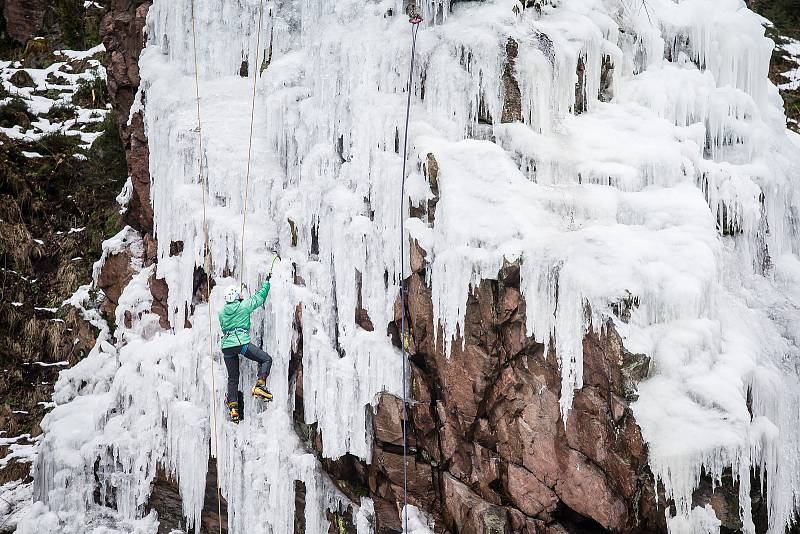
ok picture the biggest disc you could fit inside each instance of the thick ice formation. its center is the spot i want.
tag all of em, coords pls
(665, 180)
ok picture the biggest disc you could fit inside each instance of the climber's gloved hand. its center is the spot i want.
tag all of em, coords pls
(269, 276)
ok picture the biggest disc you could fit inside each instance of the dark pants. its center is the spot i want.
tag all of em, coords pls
(231, 358)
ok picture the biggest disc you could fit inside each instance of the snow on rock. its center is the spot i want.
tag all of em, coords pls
(702, 520)
(667, 180)
(53, 86)
(418, 521)
(18, 452)
(791, 50)
(15, 500)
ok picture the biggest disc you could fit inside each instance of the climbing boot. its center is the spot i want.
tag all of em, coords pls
(260, 390)
(233, 408)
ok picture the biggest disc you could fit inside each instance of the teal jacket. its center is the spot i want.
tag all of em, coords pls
(234, 319)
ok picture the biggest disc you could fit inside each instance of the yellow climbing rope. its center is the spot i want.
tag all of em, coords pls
(206, 244)
(256, 71)
(207, 266)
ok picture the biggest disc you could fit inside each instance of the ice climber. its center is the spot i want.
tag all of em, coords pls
(234, 321)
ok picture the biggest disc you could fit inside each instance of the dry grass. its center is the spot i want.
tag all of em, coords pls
(16, 243)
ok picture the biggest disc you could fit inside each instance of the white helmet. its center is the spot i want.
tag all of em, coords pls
(231, 294)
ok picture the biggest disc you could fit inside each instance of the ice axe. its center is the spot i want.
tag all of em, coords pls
(269, 275)
(272, 265)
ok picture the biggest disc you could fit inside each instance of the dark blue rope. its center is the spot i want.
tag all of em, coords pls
(414, 28)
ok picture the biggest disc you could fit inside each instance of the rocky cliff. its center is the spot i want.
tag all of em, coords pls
(492, 448)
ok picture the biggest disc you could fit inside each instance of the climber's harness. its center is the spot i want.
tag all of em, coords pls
(236, 332)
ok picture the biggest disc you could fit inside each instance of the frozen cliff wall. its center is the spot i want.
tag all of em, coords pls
(602, 205)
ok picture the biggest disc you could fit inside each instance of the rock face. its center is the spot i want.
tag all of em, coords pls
(486, 425)
(114, 276)
(24, 18)
(122, 32)
(489, 450)
(165, 499)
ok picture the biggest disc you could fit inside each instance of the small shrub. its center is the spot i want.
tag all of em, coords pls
(59, 144)
(61, 111)
(93, 127)
(52, 94)
(70, 21)
(56, 79)
(92, 23)
(38, 54)
(107, 161)
(784, 14)
(21, 78)
(75, 66)
(91, 94)
(16, 104)
(15, 112)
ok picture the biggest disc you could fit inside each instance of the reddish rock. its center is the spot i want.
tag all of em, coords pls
(487, 418)
(466, 513)
(160, 292)
(528, 493)
(150, 250)
(485, 472)
(509, 302)
(387, 516)
(123, 37)
(420, 311)
(387, 421)
(512, 96)
(386, 478)
(362, 315)
(587, 490)
(165, 499)
(417, 256)
(450, 441)
(140, 210)
(114, 276)
(24, 18)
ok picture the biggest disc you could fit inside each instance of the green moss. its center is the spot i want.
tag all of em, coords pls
(107, 155)
(105, 172)
(113, 223)
(70, 22)
(51, 94)
(60, 112)
(59, 144)
(38, 54)
(784, 14)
